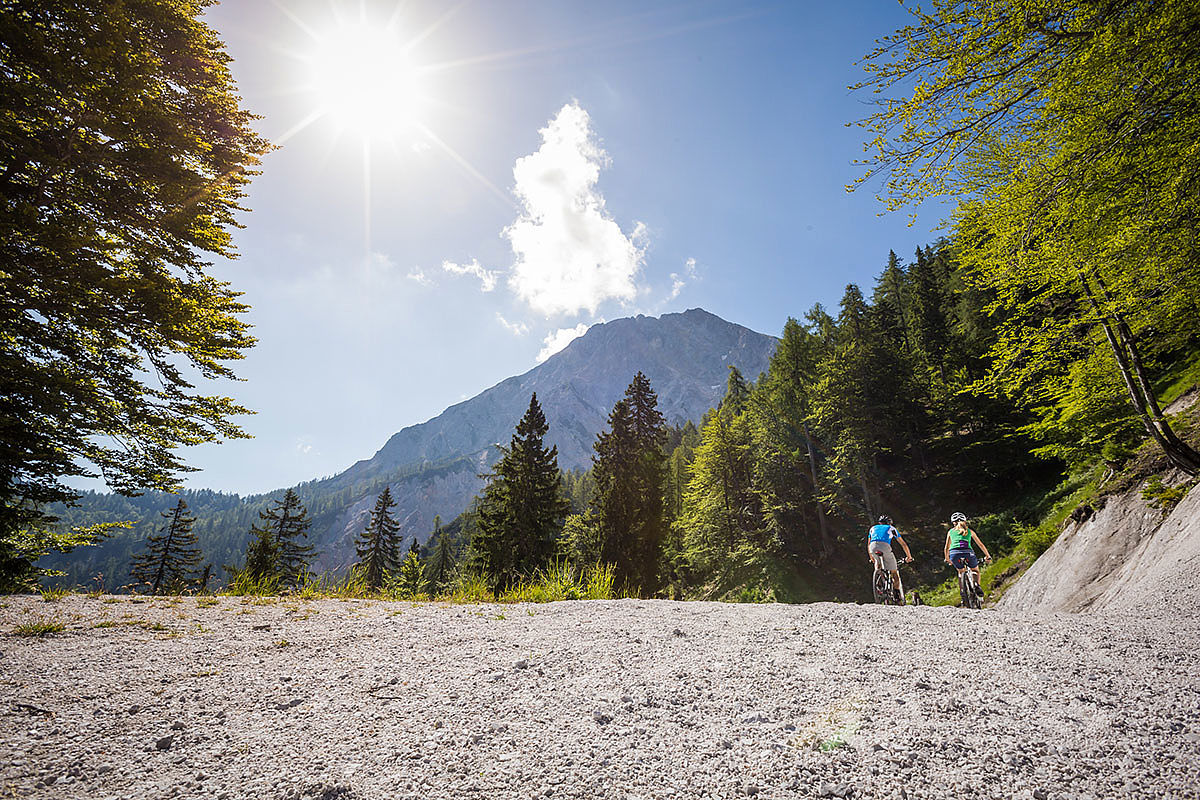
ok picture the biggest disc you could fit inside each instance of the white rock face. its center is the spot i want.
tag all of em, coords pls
(610, 699)
(1127, 557)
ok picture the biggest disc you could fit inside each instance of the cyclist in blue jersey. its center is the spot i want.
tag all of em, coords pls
(879, 543)
(959, 553)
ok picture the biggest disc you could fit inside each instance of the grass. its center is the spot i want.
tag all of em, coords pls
(53, 594)
(39, 628)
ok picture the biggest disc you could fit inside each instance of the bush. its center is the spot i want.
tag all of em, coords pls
(1161, 496)
(1036, 540)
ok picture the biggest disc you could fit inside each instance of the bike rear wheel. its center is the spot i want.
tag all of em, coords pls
(882, 586)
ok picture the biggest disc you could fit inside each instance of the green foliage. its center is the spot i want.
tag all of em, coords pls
(1164, 497)
(38, 629)
(20, 551)
(247, 584)
(1079, 188)
(126, 156)
(581, 541)
(522, 508)
(1035, 540)
(53, 595)
(410, 581)
(279, 540)
(440, 566)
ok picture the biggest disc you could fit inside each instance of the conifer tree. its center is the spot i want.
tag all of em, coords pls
(786, 467)
(262, 556)
(631, 472)
(288, 523)
(440, 565)
(378, 544)
(411, 578)
(171, 556)
(522, 509)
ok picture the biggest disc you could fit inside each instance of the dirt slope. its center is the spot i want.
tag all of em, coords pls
(622, 699)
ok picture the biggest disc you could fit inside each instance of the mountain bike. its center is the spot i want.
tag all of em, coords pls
(883, 585)
(967, 588)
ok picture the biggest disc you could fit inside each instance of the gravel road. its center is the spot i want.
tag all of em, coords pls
(357, 700)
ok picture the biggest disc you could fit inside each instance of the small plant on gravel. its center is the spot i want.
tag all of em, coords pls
(599, 583)
(53, 594)
(108, 601)
(246, 585)
(282, 643)
(206, 602)
(39, 628)
(469, 587)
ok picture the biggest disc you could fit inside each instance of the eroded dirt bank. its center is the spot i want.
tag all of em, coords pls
(618, 699)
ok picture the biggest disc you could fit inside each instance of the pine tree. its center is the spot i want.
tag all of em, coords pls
(289, 523)
(522, 508)
(631, 474)
(378, 544)
(171, 556)
(440, 565)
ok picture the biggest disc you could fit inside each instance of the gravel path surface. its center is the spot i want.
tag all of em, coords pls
(358, 700)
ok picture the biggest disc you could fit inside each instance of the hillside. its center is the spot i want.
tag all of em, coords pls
(434, 468)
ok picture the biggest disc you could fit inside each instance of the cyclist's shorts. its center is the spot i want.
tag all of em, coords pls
(960, 558)
(885, 549)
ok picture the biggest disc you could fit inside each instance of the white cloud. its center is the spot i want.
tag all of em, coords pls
(559, 339)
(419, 276)
(304, 447)
(679, 281)
(570, 253)
(515, 328)
(487, 277)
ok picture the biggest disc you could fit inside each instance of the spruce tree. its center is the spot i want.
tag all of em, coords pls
(522, 509)
(630, 467)
(377, 546)
(289, 522)
(440, 565)
(262, 556)
(171, 556)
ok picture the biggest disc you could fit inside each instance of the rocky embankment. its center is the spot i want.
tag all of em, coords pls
(1124, 555)
(620, 699)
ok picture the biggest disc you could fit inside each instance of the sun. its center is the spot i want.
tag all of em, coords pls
(364, 81)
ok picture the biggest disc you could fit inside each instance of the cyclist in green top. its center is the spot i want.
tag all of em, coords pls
(958, 551)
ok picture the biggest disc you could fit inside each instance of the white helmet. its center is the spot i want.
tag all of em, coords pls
(957, 517)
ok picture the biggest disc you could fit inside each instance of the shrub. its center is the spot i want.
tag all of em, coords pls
(1161, 496)
(1036, 540)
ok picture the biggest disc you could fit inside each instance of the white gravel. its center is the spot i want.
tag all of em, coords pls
(624, 699)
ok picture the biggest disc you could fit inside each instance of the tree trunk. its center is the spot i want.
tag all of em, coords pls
(1129, 361)
(826, 544)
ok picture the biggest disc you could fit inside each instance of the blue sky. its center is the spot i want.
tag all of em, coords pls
(440, 219)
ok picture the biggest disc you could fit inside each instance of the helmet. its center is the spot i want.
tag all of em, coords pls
(885, 520)
(957, 517)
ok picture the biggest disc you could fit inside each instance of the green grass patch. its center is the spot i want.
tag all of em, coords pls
(39, 628)
(53, 594)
